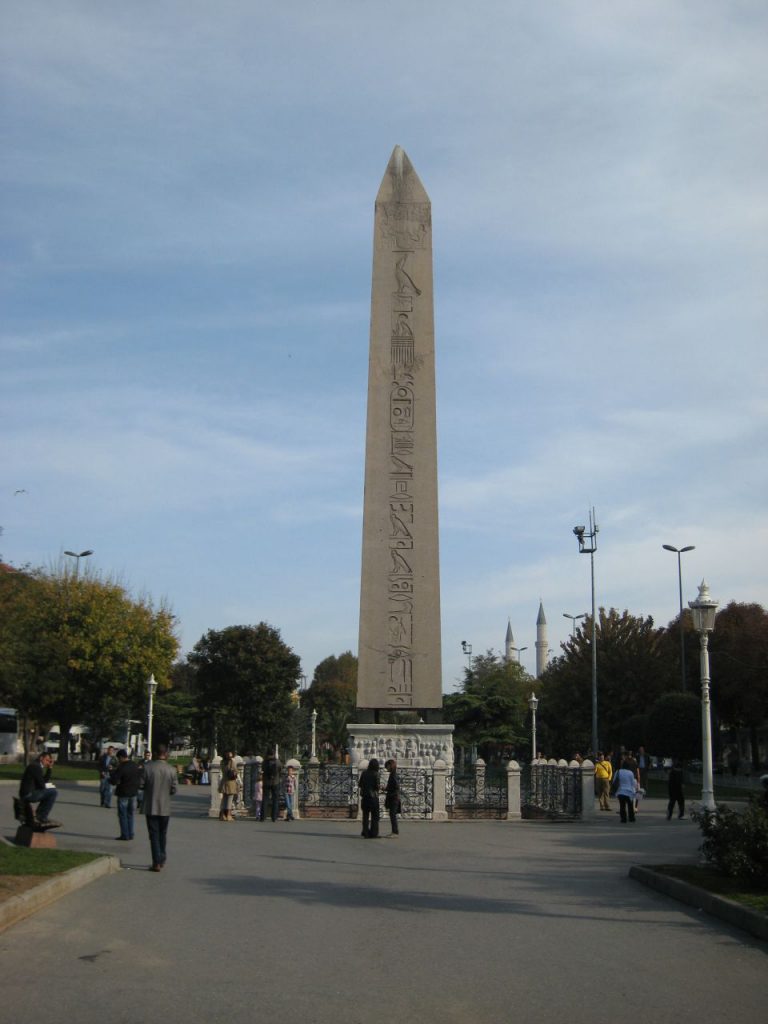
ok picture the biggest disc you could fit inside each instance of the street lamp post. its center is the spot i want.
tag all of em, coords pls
(679, 552)
(77, 556)
(467, 648)
(151, 687)
(533, 703)
(574, 619)
(519, 652)
(704, 609)
(588, 546)
(313, 755)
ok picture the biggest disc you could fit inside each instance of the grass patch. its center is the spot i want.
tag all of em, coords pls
(712, 881)
(86, 771)
(18, 860)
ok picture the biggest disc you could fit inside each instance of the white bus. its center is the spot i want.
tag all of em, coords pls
(11, 743)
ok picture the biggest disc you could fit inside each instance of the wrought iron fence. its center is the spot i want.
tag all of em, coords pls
(417, 792)
(329, 790)
(550, 790)
(477, 794)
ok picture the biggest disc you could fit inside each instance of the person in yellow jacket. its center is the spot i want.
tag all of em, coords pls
(603, 776)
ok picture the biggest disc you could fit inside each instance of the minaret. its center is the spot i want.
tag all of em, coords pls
(541, 641)
(509, 643)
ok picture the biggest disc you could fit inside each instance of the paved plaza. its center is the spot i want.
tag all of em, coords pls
(307, 923)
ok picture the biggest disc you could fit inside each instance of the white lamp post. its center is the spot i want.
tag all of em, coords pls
(533, 703)
(152, 687)
(518, 651)
(77, 556)
(313, 755)
(703, 610)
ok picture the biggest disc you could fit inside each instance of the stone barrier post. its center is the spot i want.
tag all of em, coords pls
(296, 765)
(439, 790)
(214, 773)
(479, 780)
(513, 791)
(588, 807)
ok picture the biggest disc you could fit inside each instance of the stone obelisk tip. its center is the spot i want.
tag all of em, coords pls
(401, 182)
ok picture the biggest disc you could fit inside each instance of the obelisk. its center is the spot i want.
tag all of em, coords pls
(399, 645)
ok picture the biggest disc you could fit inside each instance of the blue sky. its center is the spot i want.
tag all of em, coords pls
(187, 197)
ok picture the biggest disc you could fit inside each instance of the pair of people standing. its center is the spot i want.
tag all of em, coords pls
(369, 786)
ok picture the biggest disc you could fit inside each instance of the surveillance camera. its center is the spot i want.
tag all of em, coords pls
(579, 530)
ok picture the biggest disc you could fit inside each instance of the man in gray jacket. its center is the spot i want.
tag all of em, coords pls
(159, 787)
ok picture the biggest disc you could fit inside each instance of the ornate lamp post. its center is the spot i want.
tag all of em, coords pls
(703, 610)
(588, 546)
(313, 755)
(533, 703)
(151, 687)
(679, 552)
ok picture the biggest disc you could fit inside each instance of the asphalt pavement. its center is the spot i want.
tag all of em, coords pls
(307, 923)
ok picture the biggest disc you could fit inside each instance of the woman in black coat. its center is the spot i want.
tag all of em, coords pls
(369, 793)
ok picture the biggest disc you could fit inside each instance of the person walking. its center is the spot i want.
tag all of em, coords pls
(106, 764)
(126, 778)
(626, 787)
(369, 792)
(603, 776)
(160, 783)
(228, 786)
(392, 799)
(271, 780)
(675, 790)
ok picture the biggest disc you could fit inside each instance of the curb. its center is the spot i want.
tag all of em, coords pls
(18, 907)
(733, 913)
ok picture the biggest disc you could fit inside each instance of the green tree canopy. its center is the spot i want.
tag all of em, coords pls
(82, 649)
(333, 694)
(245, 677)
(674, 726)
(489, 710)
(634, 667)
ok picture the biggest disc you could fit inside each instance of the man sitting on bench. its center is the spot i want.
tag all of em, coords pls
(36, 788)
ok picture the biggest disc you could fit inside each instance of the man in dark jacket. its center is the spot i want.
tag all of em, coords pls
(271, 779)
(368, 785)
(36, 788)
(126, 779)
(392, 799)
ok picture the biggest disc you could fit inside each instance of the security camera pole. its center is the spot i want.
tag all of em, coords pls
(588, 546)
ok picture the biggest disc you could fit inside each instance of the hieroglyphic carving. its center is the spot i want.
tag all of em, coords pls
(401, 222)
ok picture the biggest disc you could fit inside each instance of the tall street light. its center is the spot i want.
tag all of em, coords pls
(77, 557)
(467, 648)
(679, 552)
(703, 610)
(313, 755)
(588, 546)
(533, 703)
(519, 652)
(574, 619)
(151, 687)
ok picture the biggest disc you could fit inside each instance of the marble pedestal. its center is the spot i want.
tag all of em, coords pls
(412, 746)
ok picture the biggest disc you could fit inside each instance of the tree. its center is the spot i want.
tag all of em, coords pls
(674, 726)
(244, 680)
(739, 668)
(333, 694)
(634, 668)
(488, 711)
(82, 649)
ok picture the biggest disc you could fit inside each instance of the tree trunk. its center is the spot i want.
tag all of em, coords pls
(754, 745)
(63, 755)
